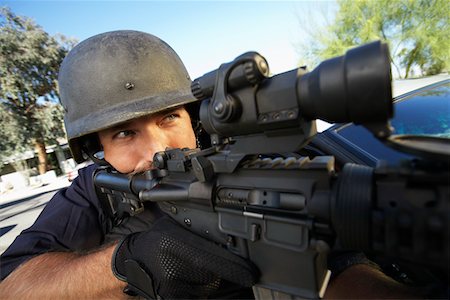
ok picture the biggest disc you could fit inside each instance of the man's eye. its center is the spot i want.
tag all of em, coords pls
(170, 117)
(123, 134)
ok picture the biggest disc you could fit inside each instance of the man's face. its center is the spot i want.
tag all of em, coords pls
(129, 147)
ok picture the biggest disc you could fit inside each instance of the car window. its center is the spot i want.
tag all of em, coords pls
(424, 113)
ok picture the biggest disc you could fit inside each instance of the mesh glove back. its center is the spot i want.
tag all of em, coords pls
(182, 264)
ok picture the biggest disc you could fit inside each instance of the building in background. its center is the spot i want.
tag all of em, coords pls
(20, 171)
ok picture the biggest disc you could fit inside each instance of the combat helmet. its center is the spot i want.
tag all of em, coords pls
(114, 77)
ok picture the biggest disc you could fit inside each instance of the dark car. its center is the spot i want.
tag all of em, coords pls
(422, 112)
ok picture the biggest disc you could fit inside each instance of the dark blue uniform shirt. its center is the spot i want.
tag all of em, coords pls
(73, 220)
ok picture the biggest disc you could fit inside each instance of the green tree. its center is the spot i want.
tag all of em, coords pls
(417, 31)
(10, 138)
(29, 64)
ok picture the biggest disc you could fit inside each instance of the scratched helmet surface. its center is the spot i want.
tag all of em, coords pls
(117, 76)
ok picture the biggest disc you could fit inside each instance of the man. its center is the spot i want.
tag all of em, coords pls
(126, 95)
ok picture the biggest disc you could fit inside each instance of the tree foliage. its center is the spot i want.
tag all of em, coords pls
(417, 31)
(29, 64)
(10, 137)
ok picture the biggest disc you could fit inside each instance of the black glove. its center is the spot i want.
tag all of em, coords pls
(171, 262)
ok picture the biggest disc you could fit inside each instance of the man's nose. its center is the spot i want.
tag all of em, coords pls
(153, 141)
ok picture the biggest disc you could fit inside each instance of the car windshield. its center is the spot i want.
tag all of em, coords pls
(427, 113)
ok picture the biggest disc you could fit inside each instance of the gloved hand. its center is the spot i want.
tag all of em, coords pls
(172, 262)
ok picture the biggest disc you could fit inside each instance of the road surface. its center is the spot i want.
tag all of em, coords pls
(19, 209)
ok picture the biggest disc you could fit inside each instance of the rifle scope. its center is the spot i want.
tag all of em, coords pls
(355, 87)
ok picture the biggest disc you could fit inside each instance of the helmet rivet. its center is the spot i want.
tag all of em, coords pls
(129, 86)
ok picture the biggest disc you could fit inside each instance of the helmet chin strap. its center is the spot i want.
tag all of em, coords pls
(94, 150)
(99, 158)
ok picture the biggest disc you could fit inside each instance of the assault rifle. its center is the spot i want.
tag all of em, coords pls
(251, 193)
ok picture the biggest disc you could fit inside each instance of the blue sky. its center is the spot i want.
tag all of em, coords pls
(204, 33)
